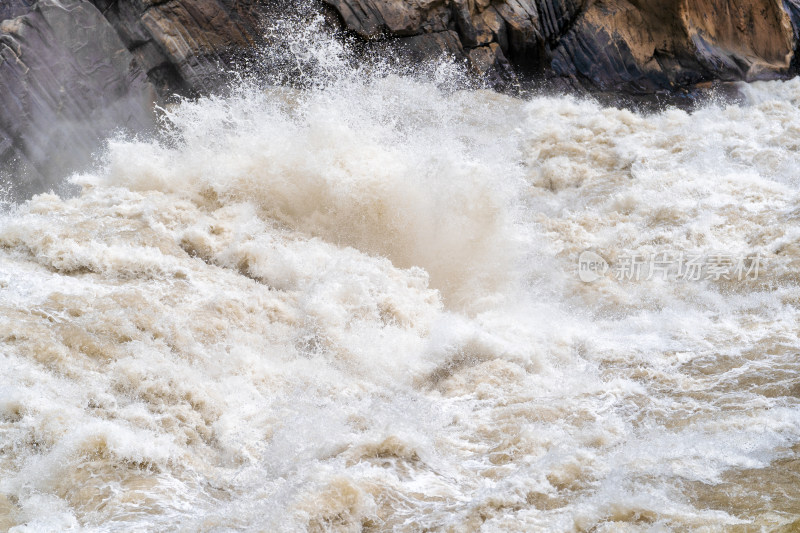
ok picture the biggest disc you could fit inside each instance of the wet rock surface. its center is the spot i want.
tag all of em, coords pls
(184, 46)
(66, 80)
(74, 71)
(635, 47)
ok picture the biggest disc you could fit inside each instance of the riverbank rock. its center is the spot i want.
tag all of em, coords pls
(66, 81)
(74, 71)
(184, 46)
(630, 46)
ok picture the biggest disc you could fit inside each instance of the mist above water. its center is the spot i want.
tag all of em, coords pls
(355, 305)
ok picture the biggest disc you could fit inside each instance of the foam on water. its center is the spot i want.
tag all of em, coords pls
(356, 307)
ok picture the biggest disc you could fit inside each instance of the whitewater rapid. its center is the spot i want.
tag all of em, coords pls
(357, 307)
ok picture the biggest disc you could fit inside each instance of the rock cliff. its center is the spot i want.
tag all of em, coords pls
(73, 71)
(66, 79)
(631, 46)
(184, 45)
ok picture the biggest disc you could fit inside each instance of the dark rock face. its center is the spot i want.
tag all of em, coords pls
(629, 46)
(73, 71)
(14, 8)
(183, 45)
(651, 45)
(66, 80)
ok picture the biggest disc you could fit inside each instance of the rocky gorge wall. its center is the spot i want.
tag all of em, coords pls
(72, 71)
(632, 46)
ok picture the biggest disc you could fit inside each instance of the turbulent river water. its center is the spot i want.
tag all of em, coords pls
(360, 306)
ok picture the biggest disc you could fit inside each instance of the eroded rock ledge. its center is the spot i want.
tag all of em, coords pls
(631, 46)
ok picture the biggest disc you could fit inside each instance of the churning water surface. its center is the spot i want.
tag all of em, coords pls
(359, 306)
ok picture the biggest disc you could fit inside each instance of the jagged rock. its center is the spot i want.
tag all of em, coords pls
(184, 46)
(633, 46)
(66, 80)
(73, 71)
(653, 45)
(489, 63)
(371, 19)
(429, 46)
